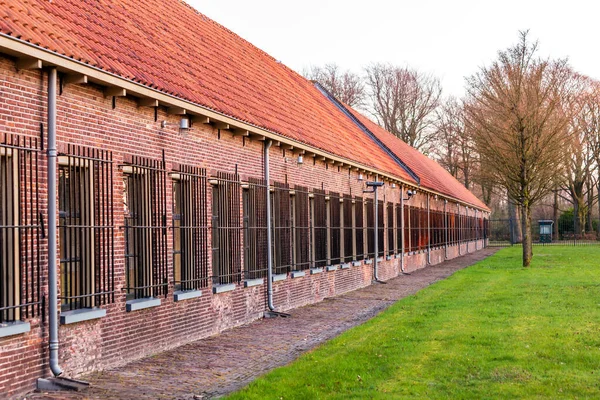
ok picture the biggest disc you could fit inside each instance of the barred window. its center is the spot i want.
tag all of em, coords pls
(282, 228)
(19, 229)
(145, 228)
(415, 228)
(399, 232)
(380, 229)
(319, 211)
(348, 234)
(301, 231)
(370, 211)
(359, 230)
(86, 227)
(226, 229)
(390, 229)
(335, 223)
(190, 230)
(255, 229)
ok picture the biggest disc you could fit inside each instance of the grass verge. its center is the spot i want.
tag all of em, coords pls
(493, 330)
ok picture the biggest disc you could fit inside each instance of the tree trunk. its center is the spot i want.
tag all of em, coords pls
(516, 234)
(579, 216)
(598, 227)
(527, 239)
(555, 216)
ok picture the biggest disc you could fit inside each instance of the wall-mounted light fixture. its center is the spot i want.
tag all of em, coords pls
(410, 193)
(360, 177)
(393, 186)
(300, 159)
(184, 124)
(163, 124)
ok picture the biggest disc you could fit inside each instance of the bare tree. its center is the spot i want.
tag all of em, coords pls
(590, 124)
(404, 101)
(346, 86)
(578, 157)
(518, 123)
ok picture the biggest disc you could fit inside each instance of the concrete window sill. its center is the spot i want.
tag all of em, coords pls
(314, 271)
(388, 258)
(229, 287)
(85, 314)
(369, 261)
(140, 304)
(346, 266)
(356, 263)
(298, 274)
(14, 328)
(186, 294)
(331, 268)
(279, 277)
(379, 259)
(398, 255)
(254, 282)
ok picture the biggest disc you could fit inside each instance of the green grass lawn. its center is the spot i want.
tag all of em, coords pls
(493, 330)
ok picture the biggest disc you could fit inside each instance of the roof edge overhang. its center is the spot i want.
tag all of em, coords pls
(18, 48)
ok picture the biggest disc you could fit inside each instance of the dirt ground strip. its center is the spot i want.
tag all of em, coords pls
(224, 363)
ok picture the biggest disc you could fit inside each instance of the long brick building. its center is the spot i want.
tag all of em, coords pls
(149, 158)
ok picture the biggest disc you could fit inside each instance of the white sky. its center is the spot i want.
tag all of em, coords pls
(450, 38)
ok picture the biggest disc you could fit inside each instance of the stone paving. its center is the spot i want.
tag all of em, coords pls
(221, 364)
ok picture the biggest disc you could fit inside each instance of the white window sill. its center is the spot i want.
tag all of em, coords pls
(346, 266)
(298, 274)
(186, 294)
(369, 261)
(254, 282)
(140, 304)
(331, 268)
(85, 314)
(14, 328)
(314, 271)
(356, 263)
(228, 287)
(279, 277)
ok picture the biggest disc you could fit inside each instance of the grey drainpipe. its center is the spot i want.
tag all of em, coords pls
(402, 227)
(460, 230)
(446, 229)
(375, 266)
(52, 270)
(428, 230)
(269, 233)
(476, 230)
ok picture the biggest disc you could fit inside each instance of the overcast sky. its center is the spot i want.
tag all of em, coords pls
(450, 39)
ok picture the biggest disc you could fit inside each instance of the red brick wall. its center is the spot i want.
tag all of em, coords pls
(86, 118)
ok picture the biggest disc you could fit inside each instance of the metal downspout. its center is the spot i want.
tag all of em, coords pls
(267, 146)
(402, 227)
(476, 230)
(375, 266)
(52, 245)
(428, 230)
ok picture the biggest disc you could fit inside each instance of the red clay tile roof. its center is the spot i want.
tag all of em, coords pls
(167, 45)
(432, 175)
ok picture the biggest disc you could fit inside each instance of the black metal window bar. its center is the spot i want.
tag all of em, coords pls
(370, 228)
(415, 228)
(301, 228)
(320, 228)
(423, 229)
(399, 230)
(486, 228)
(359, 229)
(380, 229)
(348, 231)
(20, 229)
(390, 229)
(86, 227)
(190, 228)
(282, 228)
(145, 228)
(226, 229)
(335, 227)
(255, 229)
